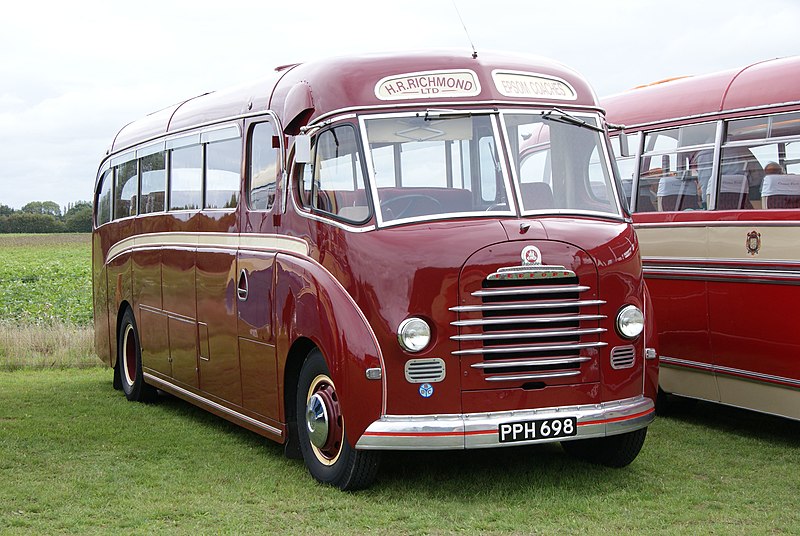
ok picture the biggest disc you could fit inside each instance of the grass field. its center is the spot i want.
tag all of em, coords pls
(76, 457)
(46, 301)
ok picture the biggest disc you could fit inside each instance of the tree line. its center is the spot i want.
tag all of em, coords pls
(47, 217)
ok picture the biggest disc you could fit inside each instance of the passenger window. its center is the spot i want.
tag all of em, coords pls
(223, 169)
(126, 190)
(186, 178)
(154, 182)
(103, 202)
(675, 171)
(338, 181)
(263, 168)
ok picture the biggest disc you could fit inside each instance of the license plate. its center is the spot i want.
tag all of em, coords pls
(512, 432)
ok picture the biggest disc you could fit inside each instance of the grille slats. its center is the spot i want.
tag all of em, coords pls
(527, 325)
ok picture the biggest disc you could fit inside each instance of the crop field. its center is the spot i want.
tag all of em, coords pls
(45, 301)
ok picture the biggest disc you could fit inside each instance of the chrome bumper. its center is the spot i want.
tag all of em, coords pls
(480, 430)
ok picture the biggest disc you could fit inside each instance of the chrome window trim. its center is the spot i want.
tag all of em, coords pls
(151, 149)
(221, 133)
(512, 209)
(123, 158)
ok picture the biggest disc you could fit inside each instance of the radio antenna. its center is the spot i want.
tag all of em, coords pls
(474, 52)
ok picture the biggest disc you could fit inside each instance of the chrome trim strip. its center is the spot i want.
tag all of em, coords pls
(525, 291)
(480, 430)
(528, 320)
(764, 107)
(536, 376)
(226, 241)
(233, 413)
(527, 334)
(514, 306)
(529, 362)
(536, 348)
(744, 374)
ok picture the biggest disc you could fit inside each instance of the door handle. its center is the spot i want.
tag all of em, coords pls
(241, 287)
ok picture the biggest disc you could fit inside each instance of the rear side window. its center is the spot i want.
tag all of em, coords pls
(103, 202)
(154, 182)
(126, 190)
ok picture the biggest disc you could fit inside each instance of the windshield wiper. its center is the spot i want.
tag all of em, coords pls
(560, 116)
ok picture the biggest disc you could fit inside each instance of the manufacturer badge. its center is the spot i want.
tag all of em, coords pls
(753, 243)
(426, 390)
(531, 256)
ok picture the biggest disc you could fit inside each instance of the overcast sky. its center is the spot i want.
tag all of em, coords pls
(73, 73)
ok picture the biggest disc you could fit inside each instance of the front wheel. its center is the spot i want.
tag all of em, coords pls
(320, 428)
(612, 451)
(129, 362)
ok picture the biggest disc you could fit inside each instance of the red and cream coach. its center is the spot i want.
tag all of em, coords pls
(713, 177)
(370, 253)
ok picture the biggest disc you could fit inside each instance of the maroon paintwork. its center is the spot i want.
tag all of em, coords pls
(245, 355)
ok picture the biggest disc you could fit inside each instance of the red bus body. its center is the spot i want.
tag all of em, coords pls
(225, 294)
(715, 169)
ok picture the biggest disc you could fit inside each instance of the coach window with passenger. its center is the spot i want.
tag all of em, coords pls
(766, 152)
(675, 169)
(263, 166)
(334, 185)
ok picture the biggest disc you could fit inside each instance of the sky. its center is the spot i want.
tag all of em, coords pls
(73, 73)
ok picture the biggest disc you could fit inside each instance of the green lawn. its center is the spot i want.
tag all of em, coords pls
(76, 457)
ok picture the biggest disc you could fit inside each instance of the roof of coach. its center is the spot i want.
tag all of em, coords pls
(771, 82)
(300, 93)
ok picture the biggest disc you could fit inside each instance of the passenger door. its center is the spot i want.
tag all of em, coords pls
(260, 207)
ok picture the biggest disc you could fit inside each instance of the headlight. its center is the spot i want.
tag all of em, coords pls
(630, 322)
(414, 334)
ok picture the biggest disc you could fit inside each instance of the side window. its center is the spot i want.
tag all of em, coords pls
(760, 163)
(337, 184)
(223, 168)
(103, 202)
(126, 190)
(154, 182)
(263, 167)
(186, 178)
(675, 171)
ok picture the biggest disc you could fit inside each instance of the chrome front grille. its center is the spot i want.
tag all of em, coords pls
(529, 324)
(623, 357)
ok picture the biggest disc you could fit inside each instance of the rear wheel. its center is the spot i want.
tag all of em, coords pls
(129, 362)
(612, 451)
(320, 428)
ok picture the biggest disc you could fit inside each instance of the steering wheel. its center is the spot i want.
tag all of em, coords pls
(410, 201)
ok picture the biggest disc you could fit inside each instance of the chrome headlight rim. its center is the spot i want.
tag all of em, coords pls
(414, 334)
(630, 322)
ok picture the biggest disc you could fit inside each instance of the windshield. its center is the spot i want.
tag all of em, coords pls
(428, 166)
(559, 162)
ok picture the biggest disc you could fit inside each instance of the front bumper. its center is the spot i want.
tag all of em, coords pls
(480, 430)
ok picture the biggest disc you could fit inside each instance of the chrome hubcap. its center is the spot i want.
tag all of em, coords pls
(317, 421)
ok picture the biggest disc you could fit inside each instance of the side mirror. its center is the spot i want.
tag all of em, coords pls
(302, 149)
